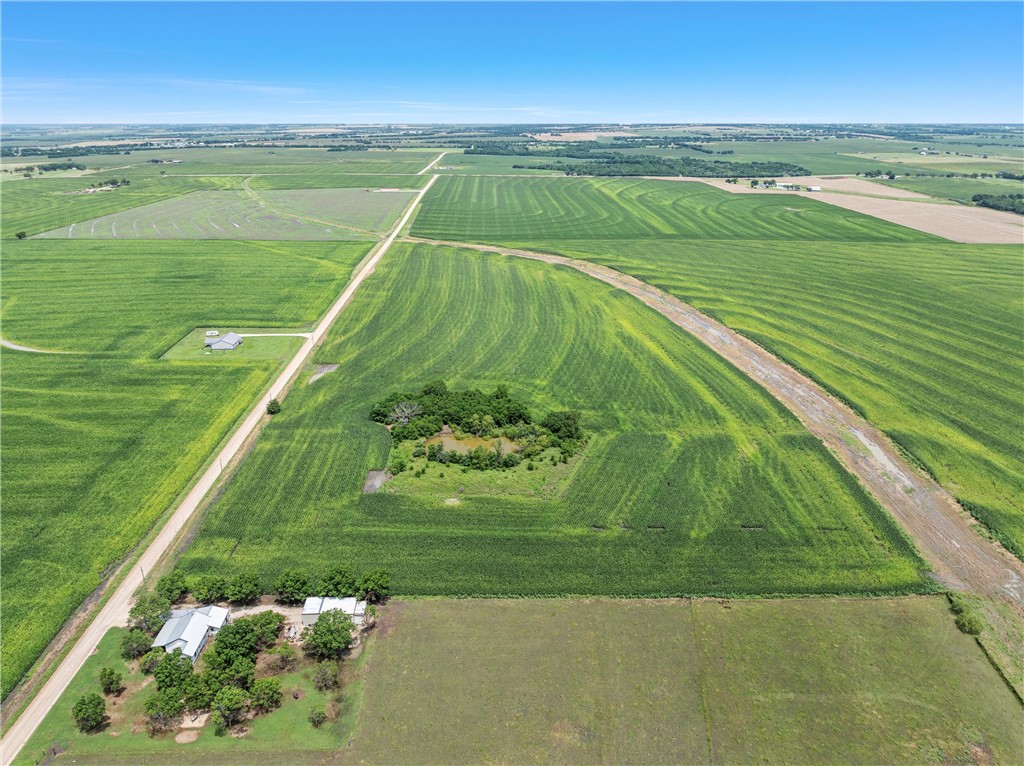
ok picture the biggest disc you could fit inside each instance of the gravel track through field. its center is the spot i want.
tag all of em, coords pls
(115, 610)
(945, 535)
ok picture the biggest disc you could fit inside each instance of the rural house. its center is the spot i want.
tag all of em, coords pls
(189, 629)
(317, 605)
(226, 342)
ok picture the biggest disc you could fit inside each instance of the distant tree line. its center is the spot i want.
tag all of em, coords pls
(1011, 203)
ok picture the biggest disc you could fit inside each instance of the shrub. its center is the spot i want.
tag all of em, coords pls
(22, 234)
(284, 656)
(89, 712)
(266, 694)
(317, 717)
(172, 586)
(292, 586)
(338, 582)
(243, 588)
(970, 623)
(375, 585)
(134, 644)
(151, 659)
(273, 407)
(112, 681)
(325, 676)
(209, 588)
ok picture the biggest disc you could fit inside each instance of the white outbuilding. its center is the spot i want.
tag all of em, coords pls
(317, 605)
(226, 342)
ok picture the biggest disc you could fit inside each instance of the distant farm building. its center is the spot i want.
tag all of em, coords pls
(317, 605)
(813, 188)
(189, 629)
(227, 342)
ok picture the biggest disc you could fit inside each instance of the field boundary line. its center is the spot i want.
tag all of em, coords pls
(945, 536)
(115, 611)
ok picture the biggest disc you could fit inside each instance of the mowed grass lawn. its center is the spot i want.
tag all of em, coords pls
(98, 443)
(923, 339)
(695, 480)
(496, 210)
(807, 681)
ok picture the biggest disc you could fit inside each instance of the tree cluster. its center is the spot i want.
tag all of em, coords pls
(1011, 203)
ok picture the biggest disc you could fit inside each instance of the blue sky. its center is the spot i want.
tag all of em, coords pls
(508, 62)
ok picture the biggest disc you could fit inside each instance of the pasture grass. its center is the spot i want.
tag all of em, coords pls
(805, 681)
(495, 210)
(923, 339)
(959, 189)
(696, 481)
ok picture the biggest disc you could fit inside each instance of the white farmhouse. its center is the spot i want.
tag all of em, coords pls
(189, 629)
(317, 605)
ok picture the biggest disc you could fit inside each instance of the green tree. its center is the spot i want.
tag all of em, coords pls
(265, 627)
(292, 586)
(112, 681)
(172, 586)
(338, 582)
(236, 639)
(89, 712)
(134, 644)
(273, 407)
(209, 588)
(197, 692)
(22, 234)
(229, 705)
(242, 673)
(151, 659)
(244, 588)
(375, 585)
(317, 716)
(150, 612)
(266, 694)
(173, 671)
(164, 709)
(329, 636)
(325, 675)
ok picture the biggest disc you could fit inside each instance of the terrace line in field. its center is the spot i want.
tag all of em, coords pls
(707, 485)
(306, 214)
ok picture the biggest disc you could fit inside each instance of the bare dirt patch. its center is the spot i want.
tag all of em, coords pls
(184, 737)
(195, 722)
(374, 481)
(321, 370)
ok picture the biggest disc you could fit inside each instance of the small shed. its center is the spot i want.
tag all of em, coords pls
(226, 342)
(317, 605)
(189, 629)
(212, 333)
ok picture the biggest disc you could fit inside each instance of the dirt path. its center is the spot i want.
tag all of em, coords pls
(437, 159)
(19, 347)
(945, 535)
(115, 611)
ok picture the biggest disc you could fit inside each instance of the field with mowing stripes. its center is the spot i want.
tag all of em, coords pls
(923, 339)
(308, 214)
(98, 443)
(495, 210)
(707, 484)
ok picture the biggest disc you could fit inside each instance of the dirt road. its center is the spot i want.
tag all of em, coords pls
(115, 611)
(437, 159)
(19, 347)
(945, 535)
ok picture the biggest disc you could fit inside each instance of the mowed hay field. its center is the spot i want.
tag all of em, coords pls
(807, 681)
(307, 214)
(98, 443)
(496, 210)
(923, 339)
(707, 485)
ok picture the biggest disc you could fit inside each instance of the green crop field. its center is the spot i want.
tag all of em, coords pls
(959, 189)
(922, 338)
(799, 682)
(501, 209)
(487, 164)
(306, 214)
(707, 484)
(98, 443)
(325, 179)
